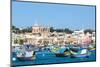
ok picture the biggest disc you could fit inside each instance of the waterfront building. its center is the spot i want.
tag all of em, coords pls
(41, 36)
(40, 30)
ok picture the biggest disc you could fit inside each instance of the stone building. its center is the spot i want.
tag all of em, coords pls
(40, 30)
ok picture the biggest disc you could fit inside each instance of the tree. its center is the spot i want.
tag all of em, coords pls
(15, 29)
(88, 30)
(29, 29)
(15, 41)
(68, 30)
(59, 30)
(21, 41)
(51, 29)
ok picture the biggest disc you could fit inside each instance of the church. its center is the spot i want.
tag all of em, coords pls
(40, 30)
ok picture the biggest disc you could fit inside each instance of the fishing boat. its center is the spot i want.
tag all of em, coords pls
(91, 48)
(75, 49)
(83, 53)
(26, 56)
(61, 51)
(25, 53)
(65, 53)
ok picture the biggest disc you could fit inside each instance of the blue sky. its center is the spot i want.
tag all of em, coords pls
(26, 14)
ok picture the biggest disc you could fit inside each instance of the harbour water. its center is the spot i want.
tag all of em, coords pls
(49, 58)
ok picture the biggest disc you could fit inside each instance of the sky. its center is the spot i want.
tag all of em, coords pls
(25, 14)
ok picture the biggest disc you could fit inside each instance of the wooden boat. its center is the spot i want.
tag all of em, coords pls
(91, 48)
(83, 53)
(64, 52)
(27, 56)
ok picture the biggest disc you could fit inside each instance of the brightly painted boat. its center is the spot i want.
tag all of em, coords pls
(92, 48)
(83, 53)
(61, 51)
(26, 56)
(24, 52)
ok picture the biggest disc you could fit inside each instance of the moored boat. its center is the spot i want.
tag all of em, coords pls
(26, 56)
(83, 53)
(62, 52)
